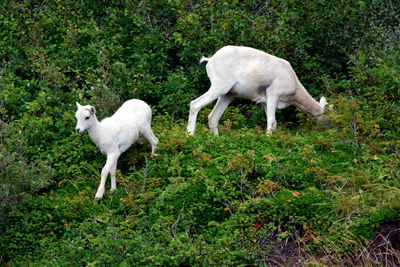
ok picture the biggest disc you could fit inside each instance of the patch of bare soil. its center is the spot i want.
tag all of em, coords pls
(384, 249)
(282, 251)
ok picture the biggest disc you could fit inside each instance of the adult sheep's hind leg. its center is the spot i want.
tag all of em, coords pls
(213, 93)
(215, 115)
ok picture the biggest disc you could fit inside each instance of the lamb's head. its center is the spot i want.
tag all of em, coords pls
(86, 116)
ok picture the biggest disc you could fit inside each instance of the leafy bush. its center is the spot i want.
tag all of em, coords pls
(204, 200)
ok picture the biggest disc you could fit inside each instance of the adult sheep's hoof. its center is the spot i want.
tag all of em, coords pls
(97, 198)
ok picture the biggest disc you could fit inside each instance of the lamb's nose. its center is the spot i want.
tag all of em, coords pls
(78, 130)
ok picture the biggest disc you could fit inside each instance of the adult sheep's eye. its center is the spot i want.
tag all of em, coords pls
(87, 118)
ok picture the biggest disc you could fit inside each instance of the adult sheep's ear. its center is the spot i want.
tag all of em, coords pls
(92, 110)
(78, 105)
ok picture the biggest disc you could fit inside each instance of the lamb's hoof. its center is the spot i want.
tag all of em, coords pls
(154, 155)
(112, 190)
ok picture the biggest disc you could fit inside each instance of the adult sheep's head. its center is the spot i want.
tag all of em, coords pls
(85, 116)
(325, 107)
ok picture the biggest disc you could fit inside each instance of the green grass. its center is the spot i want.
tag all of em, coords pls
(201, 201)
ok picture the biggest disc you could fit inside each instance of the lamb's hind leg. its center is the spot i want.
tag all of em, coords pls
(149, 135)
(113, 178)
(110, 163)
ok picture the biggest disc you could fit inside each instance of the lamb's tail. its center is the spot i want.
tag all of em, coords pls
(204, 59)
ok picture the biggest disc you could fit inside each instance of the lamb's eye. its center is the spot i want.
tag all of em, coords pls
(87, 118)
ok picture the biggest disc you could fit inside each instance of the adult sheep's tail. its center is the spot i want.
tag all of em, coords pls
(204, 59)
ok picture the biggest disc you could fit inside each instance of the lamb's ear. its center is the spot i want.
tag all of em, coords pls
(78, 105)
(92, 110)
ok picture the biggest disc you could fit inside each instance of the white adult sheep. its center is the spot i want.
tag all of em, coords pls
(114, 135)
(238, 71)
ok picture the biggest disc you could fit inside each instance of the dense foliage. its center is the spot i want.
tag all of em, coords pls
(240, 198)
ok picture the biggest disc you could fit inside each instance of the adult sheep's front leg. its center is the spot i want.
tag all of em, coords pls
(110, 165)
(270, 109)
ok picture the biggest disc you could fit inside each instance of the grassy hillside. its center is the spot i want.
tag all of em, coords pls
(308, 194)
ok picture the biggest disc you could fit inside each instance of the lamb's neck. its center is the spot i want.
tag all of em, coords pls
(307, 103)
(95, 132)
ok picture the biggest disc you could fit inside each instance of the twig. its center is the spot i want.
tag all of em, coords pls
(175, 224)
(146, 170)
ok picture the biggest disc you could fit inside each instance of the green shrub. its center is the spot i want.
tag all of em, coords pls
(202, 200)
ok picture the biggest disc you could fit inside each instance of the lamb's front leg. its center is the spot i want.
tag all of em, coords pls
(111, 161)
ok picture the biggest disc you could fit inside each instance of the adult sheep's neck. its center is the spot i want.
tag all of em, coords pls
(95, 132)
(303, 100)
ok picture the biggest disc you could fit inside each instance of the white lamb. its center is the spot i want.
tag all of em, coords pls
(238, 71)
(114, 135)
